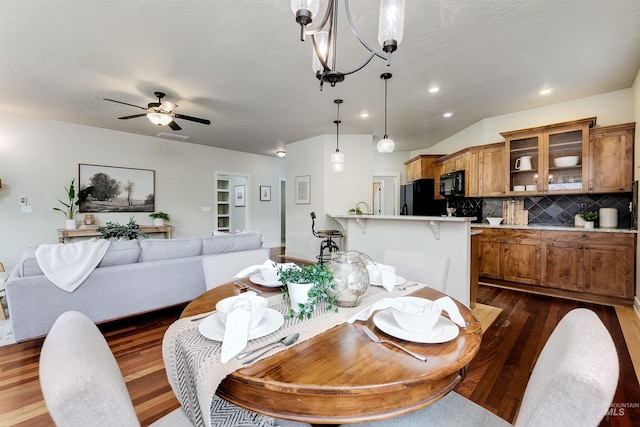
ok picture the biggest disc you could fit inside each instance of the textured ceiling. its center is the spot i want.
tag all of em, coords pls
(241, 65)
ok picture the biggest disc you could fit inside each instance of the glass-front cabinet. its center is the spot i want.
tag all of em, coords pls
(548, 159)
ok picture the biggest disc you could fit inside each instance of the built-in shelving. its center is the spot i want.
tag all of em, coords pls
(223, 218)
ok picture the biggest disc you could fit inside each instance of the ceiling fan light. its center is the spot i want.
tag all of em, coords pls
(391, 24)
(159, 119)
(167, 106)
(386, 145)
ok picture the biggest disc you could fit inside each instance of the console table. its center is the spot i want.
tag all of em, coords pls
(63, 233)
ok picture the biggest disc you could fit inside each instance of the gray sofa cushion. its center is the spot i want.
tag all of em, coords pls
(122, 252)
(231, 242)
(161, 249)
(28, 264)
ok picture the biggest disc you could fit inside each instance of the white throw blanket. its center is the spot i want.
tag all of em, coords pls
(67, 265)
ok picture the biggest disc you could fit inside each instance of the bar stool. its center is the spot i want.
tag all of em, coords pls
(327, 243)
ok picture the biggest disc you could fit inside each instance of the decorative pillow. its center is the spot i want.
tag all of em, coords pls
(231, 242)
(160, 249)
(121, 252)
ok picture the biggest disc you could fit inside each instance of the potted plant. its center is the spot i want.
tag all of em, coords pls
(589, 218)
(72, 206)
(307, 286)
(129, 231)
(159, 218)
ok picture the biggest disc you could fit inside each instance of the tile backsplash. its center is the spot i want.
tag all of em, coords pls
(561, 209)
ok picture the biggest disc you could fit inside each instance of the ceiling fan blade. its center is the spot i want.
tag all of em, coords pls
(125, 103)
(131, 117)
(193, 119)
(174, 126)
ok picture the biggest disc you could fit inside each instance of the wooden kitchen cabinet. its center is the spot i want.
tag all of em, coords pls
(490, 176)
(611, 158)
(422, 167)
(587, 266)
(510, 254)
(541, 146)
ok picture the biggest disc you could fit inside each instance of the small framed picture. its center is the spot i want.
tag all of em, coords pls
(302, 190)
(265, 193)
(238, 195)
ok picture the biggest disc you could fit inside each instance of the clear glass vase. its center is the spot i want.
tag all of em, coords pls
(350, 277)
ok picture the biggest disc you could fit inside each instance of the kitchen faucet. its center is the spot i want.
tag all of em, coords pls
(363, 203)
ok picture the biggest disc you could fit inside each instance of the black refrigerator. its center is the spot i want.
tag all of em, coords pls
(418, 198)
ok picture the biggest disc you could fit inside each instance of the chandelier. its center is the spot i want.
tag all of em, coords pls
(325, 38)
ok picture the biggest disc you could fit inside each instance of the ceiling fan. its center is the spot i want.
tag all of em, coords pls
(161, 113)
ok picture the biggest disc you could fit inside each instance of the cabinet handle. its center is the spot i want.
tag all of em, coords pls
(579, 247)
(586, 247)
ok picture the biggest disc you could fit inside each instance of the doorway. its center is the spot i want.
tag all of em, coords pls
(231, 196)
(386, 195)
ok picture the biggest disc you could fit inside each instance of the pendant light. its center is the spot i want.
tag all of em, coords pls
(385, 145)
(337, 158)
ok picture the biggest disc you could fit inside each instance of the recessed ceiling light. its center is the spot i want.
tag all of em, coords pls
(545, 91)
(447, 114)
(434, 89)
(364, 115)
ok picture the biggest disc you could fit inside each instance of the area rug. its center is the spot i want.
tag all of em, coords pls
(6, 333)
(486, 314)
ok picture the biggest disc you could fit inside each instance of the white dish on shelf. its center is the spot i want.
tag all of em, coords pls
(531, 187)
(211, 326)
(259, 280)
(443, 331)
(518, 188)
(566, 161)
(399, 281)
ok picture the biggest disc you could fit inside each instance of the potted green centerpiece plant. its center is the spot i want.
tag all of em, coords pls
(72, 204)
(129, 231)
(307, 286)
(589, 218)
(159, 218)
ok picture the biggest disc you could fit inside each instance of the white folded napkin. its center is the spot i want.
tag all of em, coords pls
(236, 328)
(388, 279)
(444, 303)
(246, 271)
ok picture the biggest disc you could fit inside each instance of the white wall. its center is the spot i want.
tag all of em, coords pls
(610, 109)
(636, 117)
(330, 192)
(38, 158)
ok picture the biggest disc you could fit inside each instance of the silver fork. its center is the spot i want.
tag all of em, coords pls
(243, 286)
(404, 287)
(375, 338)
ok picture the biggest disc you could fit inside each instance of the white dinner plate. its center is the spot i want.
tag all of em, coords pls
(211, 326)
(259, 280)
(399, 281)
(444, 330)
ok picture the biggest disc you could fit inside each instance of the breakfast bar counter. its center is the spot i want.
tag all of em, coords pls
(433, 235)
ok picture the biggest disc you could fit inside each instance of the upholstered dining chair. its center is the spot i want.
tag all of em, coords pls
(572, 384)
(83, 386)
(81, 381)
(221, 268)
(431, 270)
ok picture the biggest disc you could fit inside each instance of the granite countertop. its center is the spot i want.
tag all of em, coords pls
(556, 228)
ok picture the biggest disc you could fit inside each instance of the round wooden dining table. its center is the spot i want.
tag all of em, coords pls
(340, 376)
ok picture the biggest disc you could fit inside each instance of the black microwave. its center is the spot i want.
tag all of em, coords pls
(452, 184)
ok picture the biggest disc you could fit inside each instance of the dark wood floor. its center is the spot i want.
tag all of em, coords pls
(496, 379)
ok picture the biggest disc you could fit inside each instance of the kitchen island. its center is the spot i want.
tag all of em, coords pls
(433, 235)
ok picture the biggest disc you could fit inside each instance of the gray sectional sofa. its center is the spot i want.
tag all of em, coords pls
(133, 277)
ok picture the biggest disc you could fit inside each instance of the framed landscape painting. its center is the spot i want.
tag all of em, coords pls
(115, 189)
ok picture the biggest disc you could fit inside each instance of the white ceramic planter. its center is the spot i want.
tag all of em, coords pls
(70, 224)
(299, 294)
(589, 224)
(578, 221)
(158, 222)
